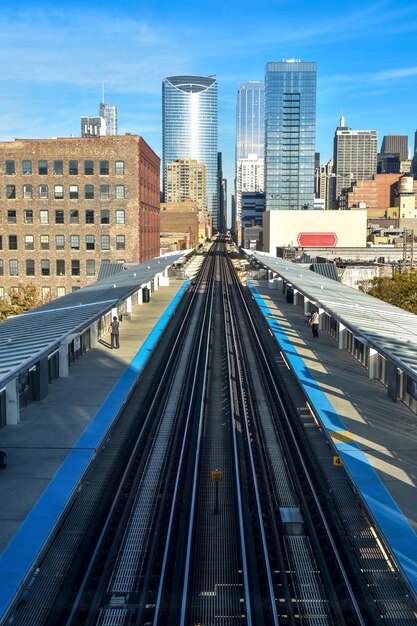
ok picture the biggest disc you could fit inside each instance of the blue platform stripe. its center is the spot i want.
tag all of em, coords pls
(20, 555)
(392, 523)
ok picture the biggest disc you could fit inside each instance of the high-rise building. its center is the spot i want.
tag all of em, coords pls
(93, 126)
(109, 112)
(189, 128)
(395, 144)
(186, 179)
(290, 129)
(354, 157)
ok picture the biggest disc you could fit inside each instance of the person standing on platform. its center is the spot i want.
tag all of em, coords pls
(114, 329)
(314, 323)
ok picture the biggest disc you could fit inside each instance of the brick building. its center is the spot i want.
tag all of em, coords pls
(68, 204)
(379, 193)
(180, 225)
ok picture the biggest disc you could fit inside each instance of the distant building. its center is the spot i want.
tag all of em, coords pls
(376, 194)
(253, 208)
(324, 183)
(290, 128)
(93, 126)
(109, 113)
(388, 163)
(70, 204)
(179, 225)
(395, 144)
(186, 178)
(250, 177)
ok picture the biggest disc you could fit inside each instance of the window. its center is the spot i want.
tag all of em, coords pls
(105, 216)
(120, 217)
(1, 242)
(10, 168)
(74, 216)
(88, 168)
(29, 242)
(89, 217)
(11, 217)
(43, 191)
(90, 267)
(45, 292)
(44, 216)
(1, 288)
(104, 168)
(59, 242)
(12, 242)
(1, 270)
(60, 291)
(58, 192)
(73, 168)
(89, 242)
(75, 267)
(28, 216)
(14, 267)
(59, 216)
(44, 242)
(88, 192)
(60, 267)
(120, 242)
(119, 168)
(43, 168)
(73, 192)
(120, 192)
(45, 267)
(75, 242)
(30, 267)
(27, 192)
(105, 242)
(26, 168)
(10, 192)
(104, 192)
(58, 168)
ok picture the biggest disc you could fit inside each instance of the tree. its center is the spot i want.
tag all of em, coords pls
(22, 299)
(400, 289)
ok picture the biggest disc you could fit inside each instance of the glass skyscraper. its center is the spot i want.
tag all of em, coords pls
(189, 127)
(109, 112)
(250, 123)
(290, 129)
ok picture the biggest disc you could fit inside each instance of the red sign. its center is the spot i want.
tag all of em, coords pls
(321, 240)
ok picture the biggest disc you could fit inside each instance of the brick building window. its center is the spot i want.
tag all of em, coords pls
(73, 192)
(119, 168)
(11, 216)
(27, 192)
(28, 216)
(104, 168)
(43, 191)
(45, 267)
(59, 242)
(14, 267)
(29, 242)
(105, 242)
(120, 192)
(90, 267)
(58, 192)
(1, 242)
(26, 168)
(73, 168)
(60, 267)
(75, 242)
(60, 291)
(30, 267)
(42, 168)
(104, 192)
(1, 268)
(89, 242)
(120, 217)
(12, 242)
(44, 242)
(105, 216)
(58, 168)
(59, 216)
(44, 216)
(88, 168)
(75, 267)
(89, 192)
(120, 242)
(10, 168)
(74, 216)
(89, 217)
(45, 292)
(10, 192)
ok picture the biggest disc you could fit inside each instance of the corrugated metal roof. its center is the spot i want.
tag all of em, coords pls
(325, 269)
(26, 338)
(387, 328)
(109, 269)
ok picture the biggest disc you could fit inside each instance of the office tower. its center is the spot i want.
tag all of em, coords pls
(93, 126)
(290, 128)
(395, 144)
(189, 128)
(354, 157)
(109, 112)
(250, 145)
(187, 179)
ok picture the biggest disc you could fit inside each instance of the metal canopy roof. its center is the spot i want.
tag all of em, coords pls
(386, 328)
(26, 338)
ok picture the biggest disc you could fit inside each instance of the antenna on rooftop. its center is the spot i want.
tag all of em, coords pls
(102, 91)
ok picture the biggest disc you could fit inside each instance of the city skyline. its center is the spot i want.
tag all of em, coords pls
(47, 83)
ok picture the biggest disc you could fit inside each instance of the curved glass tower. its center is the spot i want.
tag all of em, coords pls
(189, 127)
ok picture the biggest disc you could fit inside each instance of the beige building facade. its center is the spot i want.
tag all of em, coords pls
(187, 179)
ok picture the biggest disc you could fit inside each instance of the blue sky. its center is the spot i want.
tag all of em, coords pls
(55, 57)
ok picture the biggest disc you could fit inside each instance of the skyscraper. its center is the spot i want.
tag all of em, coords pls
(290, 129)
(354, 157)
(186, 179)
(109, 112)
(395, 144)
(189, 127)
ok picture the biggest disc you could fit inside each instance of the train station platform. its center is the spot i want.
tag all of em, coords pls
(56, 438)
(375, 437)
